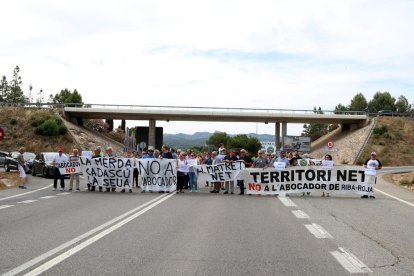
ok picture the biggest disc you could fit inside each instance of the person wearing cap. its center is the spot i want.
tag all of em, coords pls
(150, 154)
(60, 158)
(374, 164)
(21, 166)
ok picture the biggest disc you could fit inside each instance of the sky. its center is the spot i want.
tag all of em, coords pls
(218, 53)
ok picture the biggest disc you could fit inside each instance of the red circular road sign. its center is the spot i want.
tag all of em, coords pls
(1, 134)
(330, 144)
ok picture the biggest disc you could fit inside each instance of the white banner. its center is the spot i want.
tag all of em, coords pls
(157, 175)
(220, 172)
(340, 179)
(108, 171)
(69, 167)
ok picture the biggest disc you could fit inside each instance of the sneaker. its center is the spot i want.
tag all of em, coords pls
(231, 193)
(22, 187)
(130, 190)
(70, 190)
(61, 189)
(364, 196)
(371, 196)
(225, 193)
(54, 189)
(77, 190)
(123, 191)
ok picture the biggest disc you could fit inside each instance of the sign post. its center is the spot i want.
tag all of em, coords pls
(142, 145)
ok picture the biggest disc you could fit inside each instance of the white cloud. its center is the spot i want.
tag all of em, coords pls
(267, 54)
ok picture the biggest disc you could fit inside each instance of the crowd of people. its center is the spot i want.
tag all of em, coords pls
(185, 161)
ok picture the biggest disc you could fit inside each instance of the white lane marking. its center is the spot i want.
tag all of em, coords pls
(318, 231)
(5, 206)
(47, 197)
(46, 266)
(300, 214)
(287, 202)
(76, 240)
(64, 193)
(1, 199)
(350, 262)
(397, 198)
(28, 201)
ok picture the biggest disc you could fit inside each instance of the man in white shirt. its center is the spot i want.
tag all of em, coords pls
(60, 158)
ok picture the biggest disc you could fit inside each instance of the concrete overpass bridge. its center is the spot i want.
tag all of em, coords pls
(280, 117)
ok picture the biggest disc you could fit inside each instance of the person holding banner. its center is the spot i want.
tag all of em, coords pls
(260, 161)
(182, 172)
(327, 163)
(371, 166)
(215, 161)
(229, 159)
(245, 158)
(60, 158)
(74, 176)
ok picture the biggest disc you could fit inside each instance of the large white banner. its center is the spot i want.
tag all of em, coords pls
(220, 172)
(340, 179)
(108, 172)
(157, 175)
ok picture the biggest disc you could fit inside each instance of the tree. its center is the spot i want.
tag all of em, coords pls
(315, 131)
(16, 94)
(340, 109)
(217, 138)
(402, 105)
(358, 103)
(65, 96)
(30, 96)
(40, 96)
(381, 101)
(4, 89)
(242, 141)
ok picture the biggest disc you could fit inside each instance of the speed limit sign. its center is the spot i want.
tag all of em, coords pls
(330, 144)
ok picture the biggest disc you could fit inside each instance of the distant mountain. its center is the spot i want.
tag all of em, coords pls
(199, 139)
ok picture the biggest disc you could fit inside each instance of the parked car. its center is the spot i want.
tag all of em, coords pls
(3, 155)
(386, 113)
(42, 164)
(10, 163)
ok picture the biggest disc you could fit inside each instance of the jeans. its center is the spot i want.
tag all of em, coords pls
(193, 181)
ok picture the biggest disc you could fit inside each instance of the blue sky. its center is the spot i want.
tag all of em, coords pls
(256, 54)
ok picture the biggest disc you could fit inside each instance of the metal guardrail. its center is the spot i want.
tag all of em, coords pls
(180, 108)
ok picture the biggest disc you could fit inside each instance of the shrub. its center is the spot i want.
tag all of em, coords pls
(380, 130)
(13, 121)
(48, 128)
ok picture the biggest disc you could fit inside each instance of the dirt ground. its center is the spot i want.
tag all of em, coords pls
(8, 180)
(396, 177)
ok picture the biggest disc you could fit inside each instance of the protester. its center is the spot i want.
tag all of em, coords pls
(58, 159)
(230, 159)
(110, 153)
(374, 164)
(21, 166)
(166, 152)
(149, 154)
(74, 176)
(245, 158)
(329, 158)
(191, 172)
(260, 161)
(182, 171)
(220, 157)
(216, 184)
(207, 161)
(97, 153)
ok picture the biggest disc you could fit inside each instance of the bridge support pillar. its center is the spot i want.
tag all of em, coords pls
(277, 135)
(151, 134)
(284, 129)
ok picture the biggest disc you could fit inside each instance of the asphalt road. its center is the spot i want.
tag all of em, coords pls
(90, 233)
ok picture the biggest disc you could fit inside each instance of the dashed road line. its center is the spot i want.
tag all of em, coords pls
(64, 193)
(287, 202)
(300, 214)
(47, 197)
(5, 206)
(44, 256)
(318, 231)
(28, 201)
(22, 194)
(350, 262)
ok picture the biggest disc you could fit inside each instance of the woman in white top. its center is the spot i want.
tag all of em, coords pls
(74, 176)
(182, 172)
